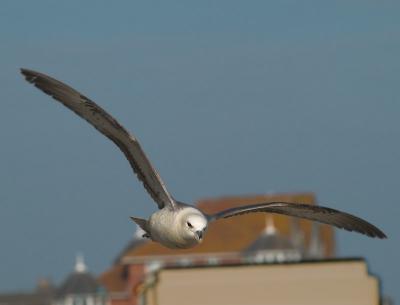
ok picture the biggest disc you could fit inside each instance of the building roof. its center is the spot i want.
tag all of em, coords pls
(270, 239)
(78, 282)
(270, 242)
(226, 235)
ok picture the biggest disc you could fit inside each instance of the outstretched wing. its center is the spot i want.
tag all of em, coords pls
(109, 127)
(317, 213)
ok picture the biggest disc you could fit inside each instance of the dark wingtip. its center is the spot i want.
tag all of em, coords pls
(24, 71)
(381, 235)
(30, 75)
(376, 233)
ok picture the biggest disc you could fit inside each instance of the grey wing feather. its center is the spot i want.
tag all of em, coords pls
(109, 127)
(317, 213)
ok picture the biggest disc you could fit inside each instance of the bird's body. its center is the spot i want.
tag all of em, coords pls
(176, 224)
(171, 227)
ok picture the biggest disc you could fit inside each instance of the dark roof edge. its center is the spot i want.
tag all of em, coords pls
(304, 261)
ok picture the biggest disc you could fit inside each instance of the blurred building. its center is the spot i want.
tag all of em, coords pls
(42, 295)
(320, 282)
(80, 288)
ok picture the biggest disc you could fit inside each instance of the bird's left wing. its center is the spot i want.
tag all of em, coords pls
(312, 212)
(108, 126)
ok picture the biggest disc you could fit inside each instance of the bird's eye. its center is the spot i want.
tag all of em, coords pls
(189, 224)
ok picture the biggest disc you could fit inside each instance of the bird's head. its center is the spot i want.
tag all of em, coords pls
(194, 224)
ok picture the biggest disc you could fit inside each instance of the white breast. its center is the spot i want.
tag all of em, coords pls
(166, 228)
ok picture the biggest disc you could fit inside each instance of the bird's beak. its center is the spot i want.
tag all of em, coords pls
(200, 234)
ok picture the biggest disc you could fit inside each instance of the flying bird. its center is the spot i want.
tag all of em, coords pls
(176, 224)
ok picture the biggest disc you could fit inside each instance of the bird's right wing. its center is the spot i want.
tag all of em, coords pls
(312, 212)
(109, 127)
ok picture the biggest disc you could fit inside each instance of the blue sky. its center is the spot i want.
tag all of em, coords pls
(226, 97)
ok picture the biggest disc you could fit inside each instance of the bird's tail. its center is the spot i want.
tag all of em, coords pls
(143, 224)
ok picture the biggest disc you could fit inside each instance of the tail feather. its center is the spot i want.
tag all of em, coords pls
(143, 224)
